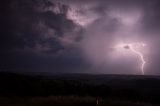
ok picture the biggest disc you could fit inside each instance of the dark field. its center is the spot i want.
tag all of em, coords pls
(67, 101)
(79, 90)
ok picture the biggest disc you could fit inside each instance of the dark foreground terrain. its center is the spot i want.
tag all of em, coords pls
(78, 90)
(68, 101)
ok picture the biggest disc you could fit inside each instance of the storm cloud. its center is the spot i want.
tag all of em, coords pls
(78, 36)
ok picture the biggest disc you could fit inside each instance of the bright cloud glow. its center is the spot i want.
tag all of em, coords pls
(126, 18)
(81, 16)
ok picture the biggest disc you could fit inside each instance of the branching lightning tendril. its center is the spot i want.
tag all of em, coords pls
(132, 47)
(140, 55)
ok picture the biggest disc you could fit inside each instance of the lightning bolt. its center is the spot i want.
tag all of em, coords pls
(140, 55)
(133, 48)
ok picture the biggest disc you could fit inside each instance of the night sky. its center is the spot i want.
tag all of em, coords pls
(79, 36)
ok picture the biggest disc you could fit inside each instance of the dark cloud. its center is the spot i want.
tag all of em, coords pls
(28, 23)
(31, 33)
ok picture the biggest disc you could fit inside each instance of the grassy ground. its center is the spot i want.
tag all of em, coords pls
(66, 101)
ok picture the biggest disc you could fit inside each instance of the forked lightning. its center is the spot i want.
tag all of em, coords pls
(133, 47)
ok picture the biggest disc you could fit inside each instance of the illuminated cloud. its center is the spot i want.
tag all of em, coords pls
(82, 15)
(80, 35)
